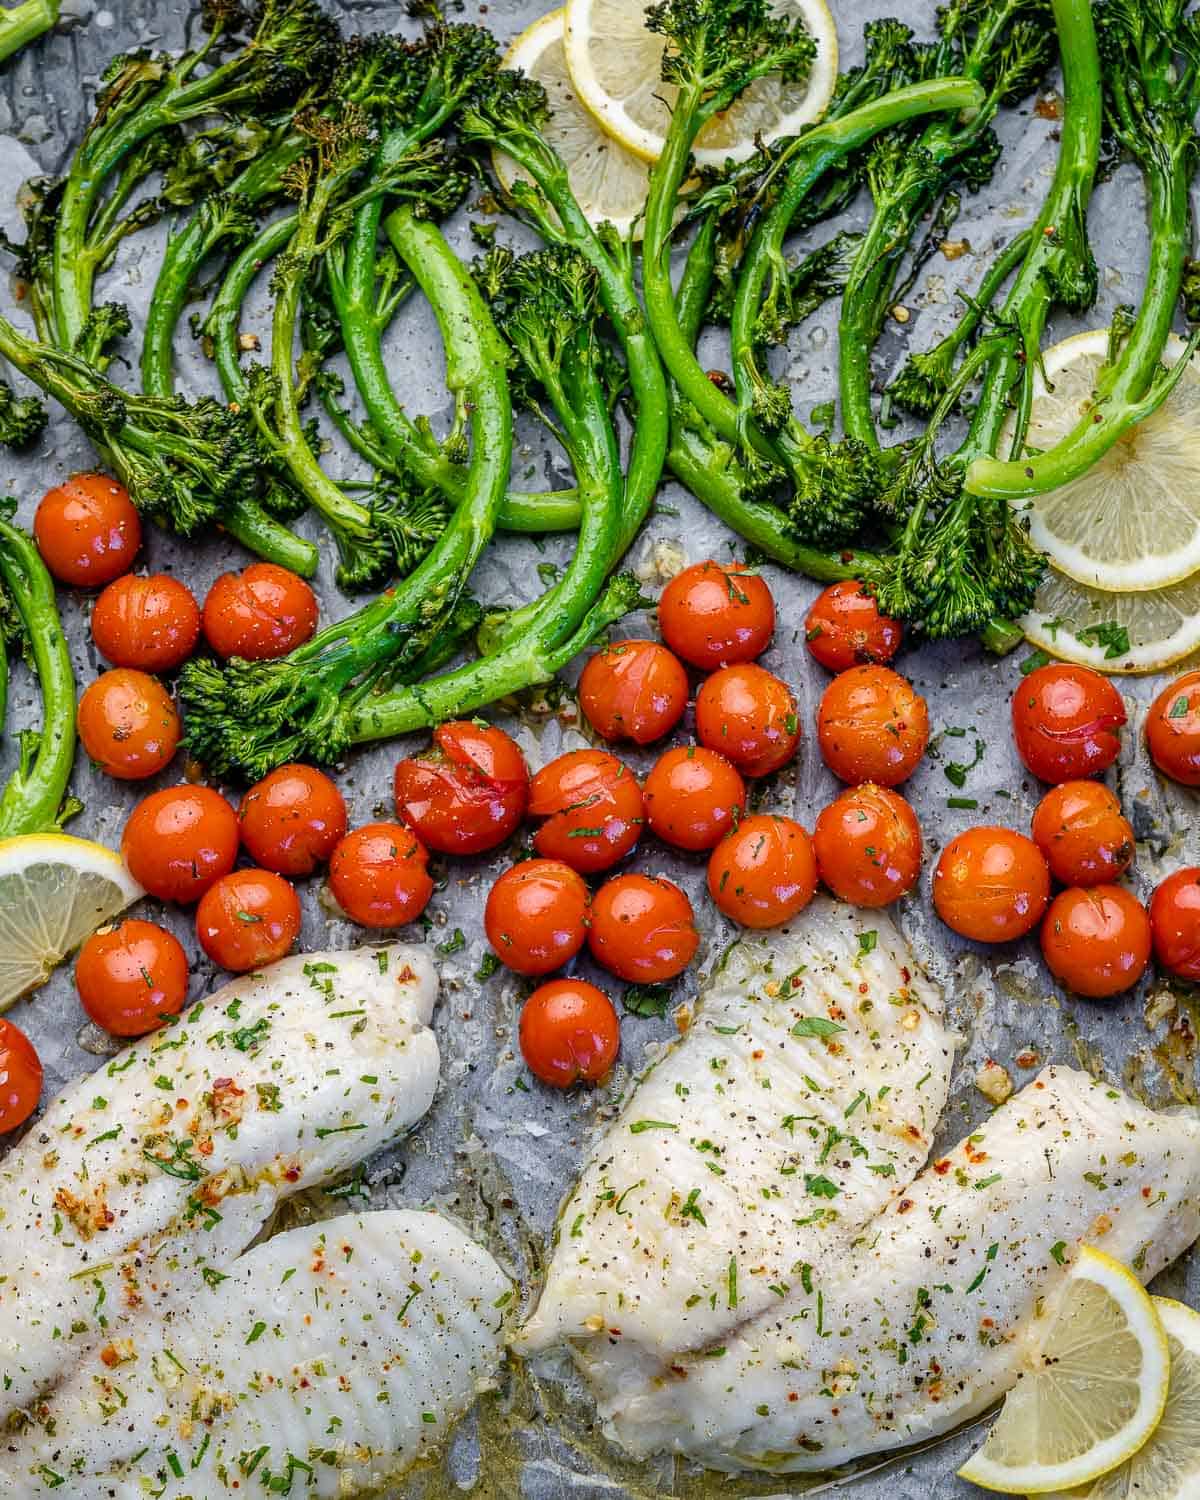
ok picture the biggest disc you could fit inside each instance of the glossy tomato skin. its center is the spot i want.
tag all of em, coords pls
(87, 530)
(260, 613)
(468, 792)
(151, 623)
(764, 872)
(714, 614)
(569, 1033)
(180, 840)
(693, 797)
(132, 977)
(749, 716)
(1067, 722)
(1173, 730)
(379, 875)
(128, 724)
(20, 1076)
(593, 809)
(868, 846)
(643, 928)
(1175, 923)
(248, 919)
(1079, 827)
(872, 725)
(292, 820)
(991, 884)
(536, 916)
(633, 690)
(845, 629)
(1096, 942)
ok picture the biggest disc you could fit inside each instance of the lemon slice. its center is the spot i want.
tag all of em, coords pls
(1091, 1393)
(54, 891)
(616, 67)
(1115, 633)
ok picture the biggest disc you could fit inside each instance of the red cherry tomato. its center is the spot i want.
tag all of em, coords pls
(1173, 730)
(20, 1076)
(87, 530)
(633, 690)
(262, 612)
(132, 978)
(593, 809)
(149, 623)
(1081, 830)
(713, 615)
(128, 724)
(468, 792)
(379, 875)
(872, 725)
(536, 916)
(844, 628)
(177, 842)
(1175, 922)
(1067, 722)
(749, 716)
(868, 846)
(1096, 942)
(991, 884)
(764, 872)
(248, 919)
(693, 797)
(292, 820)
(569, 1033)
(642, 928)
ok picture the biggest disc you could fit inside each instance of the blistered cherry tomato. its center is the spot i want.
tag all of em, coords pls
(991, 884)
(593, 809)
(693, 797)
(633, 690)
(247, 919)
(569, 1033)
(131, 978)
(1067, 722)
(749, 716)
(713, 615)
(292, 820)
(844, 628)
(128, 724)
(379, 875)
(642, 928)
(536, 916)
(1096, 942)
(178, 841)
(468, 792)
(262, 612)
(1081, 830)
(764, 872)
(872, 725)
(87, 530)
(1173, 730)
(149, 623)
(20, 1076)
(1175, 921)
(868, 846)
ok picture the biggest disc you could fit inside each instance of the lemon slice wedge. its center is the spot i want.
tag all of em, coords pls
(1115, 633)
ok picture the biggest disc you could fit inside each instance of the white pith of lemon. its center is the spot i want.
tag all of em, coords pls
(1115, 633)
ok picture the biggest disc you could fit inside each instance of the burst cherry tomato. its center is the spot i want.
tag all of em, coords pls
(1096, 942)
(20, 1076)
(1067, 722)
(872, 725)
(1175, 921)
(991, 884)
(749, 716)
(844, 628)
(131, 978)
(693, 797)
(379, 875)
(247, 919)
(1081, 830)
(868, 846)
(642, 928)
(713, 615)
(764, 872)
(536, 916)
(292, 820)
(569, 1033)
(467, 792)
(149, 623)
(177, 842)
(87, 530)
(633, 690)
(262, 612)
(128, 724)
(1173, 730)
(593, 810)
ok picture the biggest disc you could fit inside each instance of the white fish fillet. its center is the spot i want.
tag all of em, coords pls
(926, 1322)
(333, 1356)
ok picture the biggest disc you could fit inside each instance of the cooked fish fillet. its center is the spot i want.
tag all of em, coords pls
(333, 1356)
(928, 1320)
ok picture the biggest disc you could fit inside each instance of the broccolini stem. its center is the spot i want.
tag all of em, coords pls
(248, 523)
(24, 23)
(223, 323)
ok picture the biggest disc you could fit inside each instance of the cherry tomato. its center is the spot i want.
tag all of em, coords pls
(132, 978)
(1081, 830)
(844, 628)
(292, 820)
(868, 846)
(633, 690)
(248, 919)
(593, 810)
(1067, 722)
(20, 1076)
(991, 884)
(128, 724)
(1173, 730)
(467, 792)
(693, 797)
(713, 615)
(178, 841)
(1096, 942)
(569, 1033)
(642, 928)
(262, 612)
(150, 623)
(764, 872)
(87, 530)
(536, 916)
(749, 716)
(1175, 922)
(379, 875)
(872, 725)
